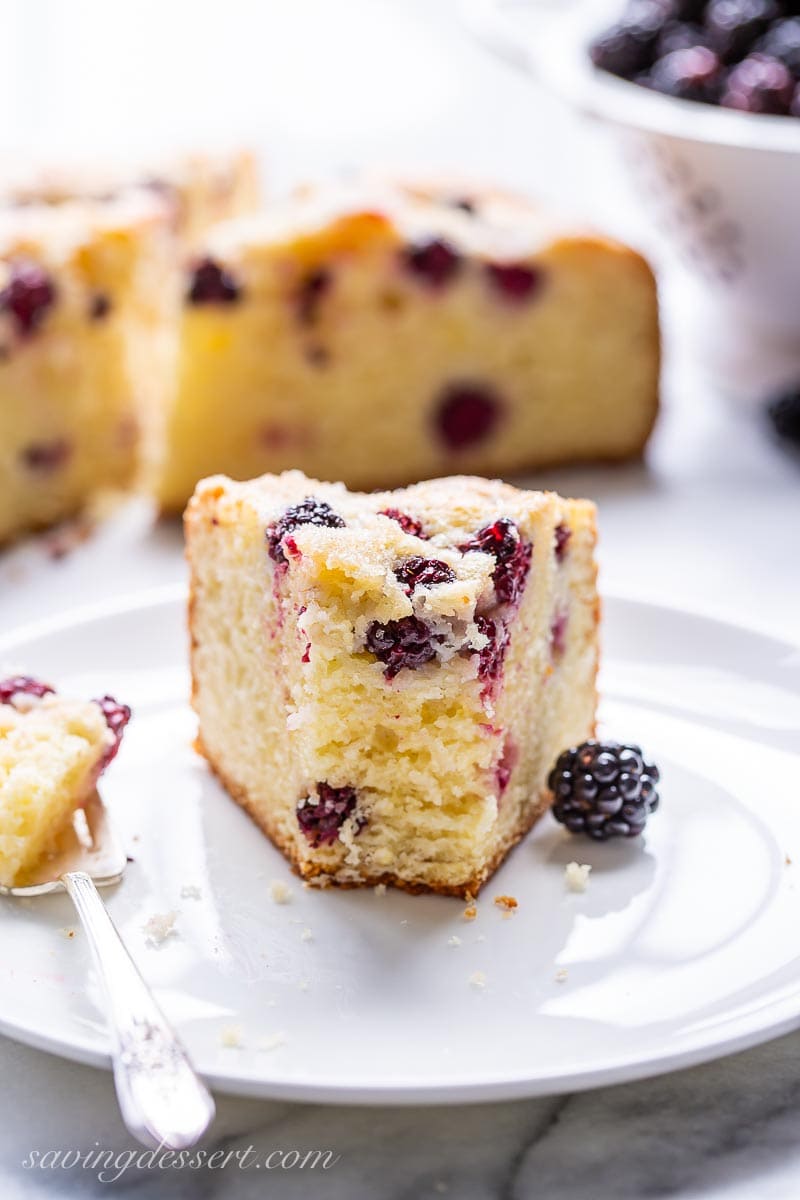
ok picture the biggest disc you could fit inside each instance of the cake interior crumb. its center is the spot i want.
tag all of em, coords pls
(470, 912)
(159, 927)
(280, 891)
(478, 979)
(231, 1037)
(190, 891)
(455, 940)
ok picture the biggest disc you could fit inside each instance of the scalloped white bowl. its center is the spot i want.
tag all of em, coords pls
(722, 187)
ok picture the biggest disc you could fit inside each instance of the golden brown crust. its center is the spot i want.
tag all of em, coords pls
(313, 873)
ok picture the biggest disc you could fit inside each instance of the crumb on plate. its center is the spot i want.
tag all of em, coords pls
(280, 892)
(159, 927)
(478, 979)
(576, 876)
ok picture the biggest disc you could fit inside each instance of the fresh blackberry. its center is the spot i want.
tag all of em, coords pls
(782, 41)
(604, 789)
(733, 26)
(759, 84)
(784, 412)
(628, 47)
(692, 74)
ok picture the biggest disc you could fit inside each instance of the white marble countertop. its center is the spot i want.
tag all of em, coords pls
(709, 523)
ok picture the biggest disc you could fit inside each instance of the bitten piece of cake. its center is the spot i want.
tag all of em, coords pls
(383, 681)
(52, 752)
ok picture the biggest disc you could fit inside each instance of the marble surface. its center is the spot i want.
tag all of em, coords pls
(710, 523)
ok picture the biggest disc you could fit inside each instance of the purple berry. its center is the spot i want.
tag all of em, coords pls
(784, 412)
(562, 536)
(309, 512)
(628, 47)
(407, 524)
(117, 717)
(733, 26)
(212, 283)
(680, 35)
(45, 457)
(99, 307)
(603, 789)
(408, 642)
(25, 685)
(558, 630)
(321, 817)
(759, 85)
(435, 261)
(313, 288)
(490, 658)
(692, 74)
(517, 282)
(417, 571)
(512, 554)
(782, 41)
(467, 414)
(27, 296)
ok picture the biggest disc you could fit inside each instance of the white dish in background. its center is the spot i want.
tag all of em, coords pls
(683, 947)
(719, 187)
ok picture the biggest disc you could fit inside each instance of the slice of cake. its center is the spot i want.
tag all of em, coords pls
(81, 286)
(387, 338)
(384, 681)
(198, 189)
(52, 752)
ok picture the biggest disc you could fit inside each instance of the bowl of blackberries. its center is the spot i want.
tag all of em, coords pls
(705, 97)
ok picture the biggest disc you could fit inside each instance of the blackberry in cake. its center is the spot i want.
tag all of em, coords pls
(52, 753)
(383, 681)
(382, 336)
(79, 284)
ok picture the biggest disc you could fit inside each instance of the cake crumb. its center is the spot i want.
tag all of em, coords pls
(67, 932)
(280, 891)
(507, 903)
(306, 935)
(788, 861)
(478, 979)
(384, 856)
(190, 891)
(380, 889)
(576, 876)
(231, 1037)
(481, 937)
(561, 975)
(159, 927)
(303, 985)
(470, 912)
(455, 940)
(272, 1042)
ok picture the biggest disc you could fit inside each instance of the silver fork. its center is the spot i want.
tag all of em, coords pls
(162, 1100)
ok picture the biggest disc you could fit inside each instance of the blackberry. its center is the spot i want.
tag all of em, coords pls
(117, 717)
(408, 642)
(784, 412)
(628, 47)
(309, 512)
(417, 571)
(435, 261)
(9, 688)
(212, 284)
(407, 524)
(691, 74)
(733, 26)
(321, 817)
(512, 553)
(604, 789)
(28, 295)
(517, 282)
(759, 85)
(467, 413)
(782, 41)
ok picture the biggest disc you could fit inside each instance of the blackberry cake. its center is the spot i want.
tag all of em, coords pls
(383, 681)
(197, 190)
(52, 752)
(79, 286)
(386, 335)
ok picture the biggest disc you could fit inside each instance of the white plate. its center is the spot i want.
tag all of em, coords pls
(684, 947)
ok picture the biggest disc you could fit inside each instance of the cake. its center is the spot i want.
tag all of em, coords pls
(384, 681)
(52, 752)
(81, 287)
(390, 335)
(197, 190)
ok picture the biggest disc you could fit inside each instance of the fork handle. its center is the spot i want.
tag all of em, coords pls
(162, 1100)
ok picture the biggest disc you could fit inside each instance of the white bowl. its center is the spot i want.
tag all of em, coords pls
(722, 186)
